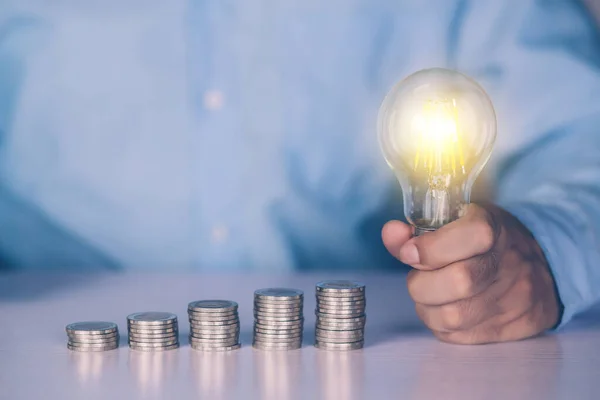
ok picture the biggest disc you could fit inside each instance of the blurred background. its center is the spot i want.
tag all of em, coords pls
(192, 135)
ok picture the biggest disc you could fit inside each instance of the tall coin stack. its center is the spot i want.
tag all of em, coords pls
(278, 319)
(341, 315)
(153, 331)
(92, 336)
(214, 325)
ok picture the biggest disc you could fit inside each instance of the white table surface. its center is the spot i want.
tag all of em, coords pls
(401, 359)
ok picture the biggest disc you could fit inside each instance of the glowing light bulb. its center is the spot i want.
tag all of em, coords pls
(436, 130)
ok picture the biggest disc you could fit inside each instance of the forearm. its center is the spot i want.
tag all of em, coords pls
(555, 192)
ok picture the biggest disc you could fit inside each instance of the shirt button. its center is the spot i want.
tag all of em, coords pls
(213, 100)
(219, 234)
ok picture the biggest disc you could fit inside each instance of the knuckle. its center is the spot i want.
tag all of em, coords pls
(463, 282)
(484, 269)
(526, 287)
(486, 234)
(411, 285)
(452, 317)
(424, 315)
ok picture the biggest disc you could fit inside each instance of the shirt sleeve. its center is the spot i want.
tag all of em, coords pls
(539, 61)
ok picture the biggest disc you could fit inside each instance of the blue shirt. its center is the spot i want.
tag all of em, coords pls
(241, 134)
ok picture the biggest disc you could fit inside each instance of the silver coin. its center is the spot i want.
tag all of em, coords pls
(153, 328)
(154, 342)
(280, 346)
(213, 315)
(87, 348)
(274, 305)
(337, 340)
(152, 318)
(228, 343)
(278, 302)
(294, 317)
(278, 294)
(153, 335)
(201, 324)
(333, 333)
(334, 318)
(339, 318)
(333, 309)
(296, 333)
(340, 312)
(164, 348)
(215, 342)
(216, 329)
(339, 346)
(101, 344)
(278, 325)
(278, 308)
(170, 340)
(341, 305)
(358, 301)
(284, 316)
(340, 328)
(205, 335)
(93, 339)
(348, 336)
(213, 306)
(142, 329)
(336, 323)
(269, 331)
(208, 334)
(340, 321)
(91, 328)
(91, 335)
(211, 344)
(276, 338)
(289, 310)
(336, 296)
(172, 329)
(226, 348)
(285, 344)
(214, 318)
(341, 286)
(214, 339)
(234, 339)
(339, 315)
(270, 339)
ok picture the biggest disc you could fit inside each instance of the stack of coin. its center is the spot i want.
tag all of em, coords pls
(340, 315)
(214, 325)
(278, 319)
(153, 331)
(92, 336)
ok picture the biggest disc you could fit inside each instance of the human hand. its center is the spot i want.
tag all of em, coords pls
(480, 279)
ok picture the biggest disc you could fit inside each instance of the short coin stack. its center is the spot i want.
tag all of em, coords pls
(278, 319)
(92, 336)
(153, 331)
(214, 325)
(340, 315)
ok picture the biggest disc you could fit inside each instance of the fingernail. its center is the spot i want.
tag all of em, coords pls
(409, 254)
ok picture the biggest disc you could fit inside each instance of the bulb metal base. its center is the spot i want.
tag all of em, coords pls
(421, 231)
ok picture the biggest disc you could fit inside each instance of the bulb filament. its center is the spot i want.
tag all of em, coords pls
(439, 144)
(440, 156)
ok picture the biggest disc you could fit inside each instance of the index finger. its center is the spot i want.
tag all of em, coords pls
(473, 234)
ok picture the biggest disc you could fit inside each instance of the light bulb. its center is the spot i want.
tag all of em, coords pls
(436, 130)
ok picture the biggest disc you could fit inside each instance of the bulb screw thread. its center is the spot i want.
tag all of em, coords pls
(421, 231)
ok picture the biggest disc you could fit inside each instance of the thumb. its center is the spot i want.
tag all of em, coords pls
(394, 235)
